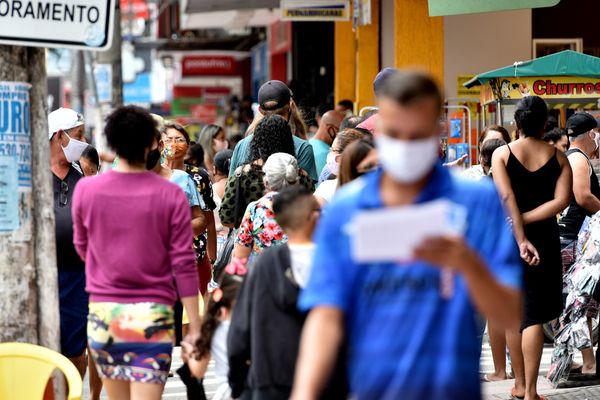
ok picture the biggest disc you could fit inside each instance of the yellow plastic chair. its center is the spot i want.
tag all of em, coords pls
(26, 368)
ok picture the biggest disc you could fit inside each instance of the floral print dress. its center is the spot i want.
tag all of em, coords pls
(259, 229)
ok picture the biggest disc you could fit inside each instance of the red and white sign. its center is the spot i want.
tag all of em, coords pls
(135, 8)
(187, 91)
(206, 113)
(208, 65)
(281, 37)
(214, 95)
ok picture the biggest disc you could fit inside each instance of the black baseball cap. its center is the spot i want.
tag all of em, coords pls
(580, 123)
(274, 91)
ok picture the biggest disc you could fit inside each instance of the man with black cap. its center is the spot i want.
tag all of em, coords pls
(275, 98)
(585, 200)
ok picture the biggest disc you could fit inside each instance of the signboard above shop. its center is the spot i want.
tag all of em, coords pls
(315, 10)
(209, 66)
(453, 7)
(558, 87)
(79, 24)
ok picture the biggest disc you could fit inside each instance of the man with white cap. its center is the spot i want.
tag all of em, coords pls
(64, 125)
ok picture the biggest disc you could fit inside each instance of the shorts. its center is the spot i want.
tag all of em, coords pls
(73, 309)
(131, 342)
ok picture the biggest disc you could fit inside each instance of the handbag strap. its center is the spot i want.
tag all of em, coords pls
(238, 212)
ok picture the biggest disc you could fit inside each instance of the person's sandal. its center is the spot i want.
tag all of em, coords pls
(514, 396)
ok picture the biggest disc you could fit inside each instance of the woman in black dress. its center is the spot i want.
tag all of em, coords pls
(534, 181)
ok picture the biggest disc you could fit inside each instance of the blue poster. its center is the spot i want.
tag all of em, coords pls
(456, 128)
(103, 75)
(138, 91)
(15, 135)
(461, 150)
(451, 153)
(9, 194)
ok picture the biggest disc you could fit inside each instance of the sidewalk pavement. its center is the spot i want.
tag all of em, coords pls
(501, 390)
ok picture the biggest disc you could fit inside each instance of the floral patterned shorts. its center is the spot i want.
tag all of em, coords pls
(131, 342)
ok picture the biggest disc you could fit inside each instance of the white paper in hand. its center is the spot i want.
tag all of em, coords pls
(392, 234)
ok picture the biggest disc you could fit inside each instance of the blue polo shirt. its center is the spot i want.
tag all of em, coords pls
(405, 340)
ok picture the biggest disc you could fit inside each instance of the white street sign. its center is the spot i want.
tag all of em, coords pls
(80, 24)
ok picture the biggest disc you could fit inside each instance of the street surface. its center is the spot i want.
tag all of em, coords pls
(175, 390)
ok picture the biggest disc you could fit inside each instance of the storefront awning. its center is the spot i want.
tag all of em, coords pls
(565, 63)
(200, 6)
(230, 19)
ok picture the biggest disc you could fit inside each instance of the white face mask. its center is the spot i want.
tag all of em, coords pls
(74, 149)
(407, 161)
(332, 164)
(597, 139)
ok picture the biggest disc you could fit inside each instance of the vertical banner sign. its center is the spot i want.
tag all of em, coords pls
(15, 160)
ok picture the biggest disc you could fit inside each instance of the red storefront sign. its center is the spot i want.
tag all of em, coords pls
(187, 91)
(208, 65)
(281, 37)
(137, 8)
(213, 95)
(206, 113)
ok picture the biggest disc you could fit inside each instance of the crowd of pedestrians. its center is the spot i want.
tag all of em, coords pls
(294, 260)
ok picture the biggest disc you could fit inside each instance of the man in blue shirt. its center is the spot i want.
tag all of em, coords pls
(329, 126)
(405, 339)
(275, 98)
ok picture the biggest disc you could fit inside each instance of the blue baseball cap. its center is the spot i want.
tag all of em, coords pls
(381, 77)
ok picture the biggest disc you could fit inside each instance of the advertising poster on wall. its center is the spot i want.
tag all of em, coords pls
(15, 161)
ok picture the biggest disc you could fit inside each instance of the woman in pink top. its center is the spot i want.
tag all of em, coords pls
(133, 229)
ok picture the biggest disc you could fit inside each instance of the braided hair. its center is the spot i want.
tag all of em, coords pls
(272, 135)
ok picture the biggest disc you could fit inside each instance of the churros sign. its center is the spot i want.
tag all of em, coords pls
(549, 87)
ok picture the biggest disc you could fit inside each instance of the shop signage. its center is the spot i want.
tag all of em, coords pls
(281, 37)
(315, 10)
(75, 24)
(139, 91)
(562, 87)
(444, 7)
(206, 113)
(182, 106)
(216, 94)
(135, 9)
(208, 65)
(463, 92)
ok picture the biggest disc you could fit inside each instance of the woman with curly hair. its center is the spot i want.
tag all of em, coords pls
(275, 98)
(272, 135)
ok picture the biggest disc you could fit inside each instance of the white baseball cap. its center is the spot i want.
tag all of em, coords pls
(63, 119)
